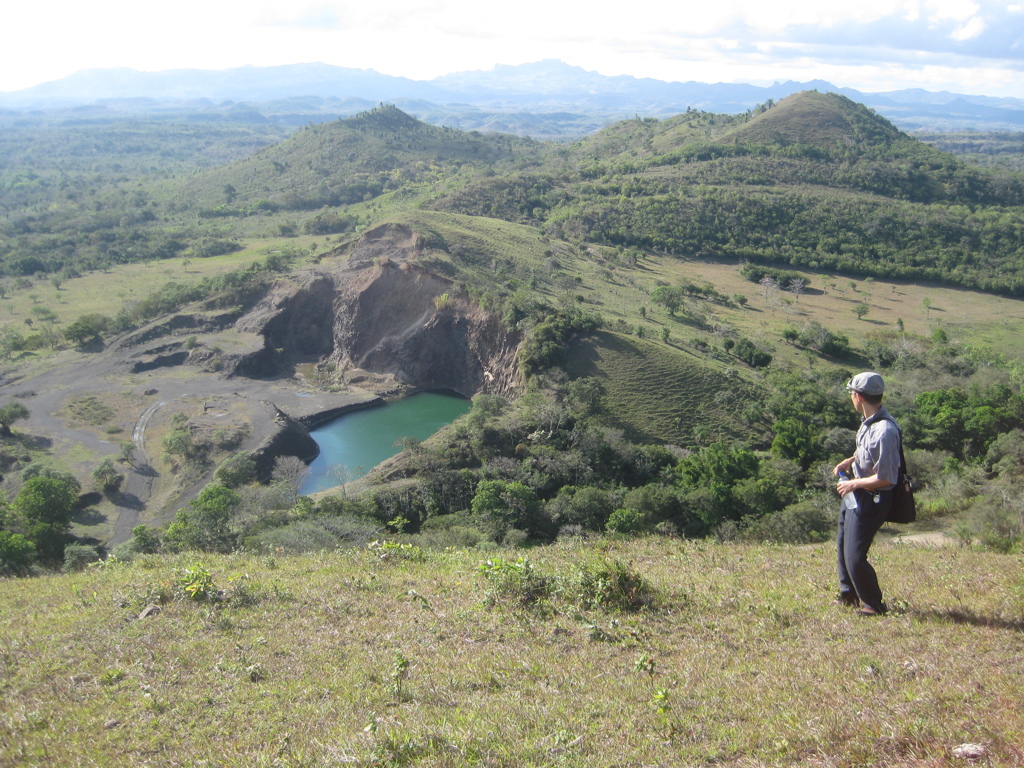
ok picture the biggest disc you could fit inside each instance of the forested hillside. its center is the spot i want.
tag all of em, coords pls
(815, 181)
(678, 304)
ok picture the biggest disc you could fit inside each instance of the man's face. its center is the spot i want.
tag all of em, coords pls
(855, 397)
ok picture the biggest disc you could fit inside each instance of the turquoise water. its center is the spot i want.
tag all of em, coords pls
(352, 445)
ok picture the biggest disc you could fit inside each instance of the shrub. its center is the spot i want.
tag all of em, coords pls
(516, 582)
(800, 523)
(16, 552)
(237, 471)
(626, 521)
(78, 556)
(314, 534)
(610, 585)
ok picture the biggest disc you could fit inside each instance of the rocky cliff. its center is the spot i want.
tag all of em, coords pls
(378, 317)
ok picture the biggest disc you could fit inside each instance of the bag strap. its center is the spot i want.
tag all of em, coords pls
(903, 460)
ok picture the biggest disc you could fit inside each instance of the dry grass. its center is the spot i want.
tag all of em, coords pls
(351, 658)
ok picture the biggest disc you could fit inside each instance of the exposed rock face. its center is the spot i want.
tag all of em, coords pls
(297, 314)
(290, 439)
(380, 314)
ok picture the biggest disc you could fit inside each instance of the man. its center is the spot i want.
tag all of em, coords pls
(869, 475)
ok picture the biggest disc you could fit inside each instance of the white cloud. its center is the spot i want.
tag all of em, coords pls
(872, 44)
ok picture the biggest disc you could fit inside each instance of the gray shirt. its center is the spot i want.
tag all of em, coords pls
(878, 448)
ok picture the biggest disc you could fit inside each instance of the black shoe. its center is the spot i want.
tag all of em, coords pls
(868, 610)
(848, 599)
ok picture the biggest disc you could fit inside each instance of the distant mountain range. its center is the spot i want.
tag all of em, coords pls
(571, 100)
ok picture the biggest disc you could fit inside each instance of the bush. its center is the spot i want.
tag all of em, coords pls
(78, 556)
(610, 585)
(237, 471)
(16, 552)
(802, 523)
(315, 534)
(516, 582)
(626, 521)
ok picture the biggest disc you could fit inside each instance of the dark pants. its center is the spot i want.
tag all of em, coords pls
(857, 529)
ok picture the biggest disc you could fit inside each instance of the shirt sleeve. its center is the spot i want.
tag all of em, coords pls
(888, 466)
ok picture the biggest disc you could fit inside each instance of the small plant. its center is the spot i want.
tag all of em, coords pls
(399, 674)
(197, 583)
(112, 677)
(516, 582)
(610, 585)
(386, 550)
(108, 564)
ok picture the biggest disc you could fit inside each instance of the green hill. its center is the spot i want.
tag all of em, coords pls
(825, 120)
(654, 652)
(348, 161)
(660, 393)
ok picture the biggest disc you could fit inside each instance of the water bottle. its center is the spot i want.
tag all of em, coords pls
(850, 499)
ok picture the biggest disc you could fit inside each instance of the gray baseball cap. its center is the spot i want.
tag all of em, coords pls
(867, 383)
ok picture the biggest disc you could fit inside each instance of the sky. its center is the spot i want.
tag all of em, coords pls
(962, 46)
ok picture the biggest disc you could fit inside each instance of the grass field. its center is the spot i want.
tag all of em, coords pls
(659, 393)
(105, 293)
(400, 657)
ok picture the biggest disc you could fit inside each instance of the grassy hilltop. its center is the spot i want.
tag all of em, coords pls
(652, 652)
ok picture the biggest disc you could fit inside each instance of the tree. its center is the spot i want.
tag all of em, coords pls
(145, 540)
(205, 525)
(860, 311)
(508, 505)
(46, 505)
(127, 453)
(11, 341)
(669, 297)
(9, 414)
(107, 476)
(797, 440)
(86, 330)
(585, 394)
(16, 552)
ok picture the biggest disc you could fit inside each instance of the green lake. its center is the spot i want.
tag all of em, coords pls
(353, 444)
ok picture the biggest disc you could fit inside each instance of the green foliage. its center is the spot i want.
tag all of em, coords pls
(396, 550)
(86, 330)
(107, 477)
(608, 584)
(236, 471)
(797, 440)
(46, 504)
(964, 422)
(16, 553)
(670, 297)
(784, 278)
(801, 523)
(626, 521)
(206, 524)
(78, 556)
(507, 505)
(752, 354)
(197, 583)
(709, 480)
(328, 222)
(145, 540)
(10, 413)
(546, 344)
(515, 582)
